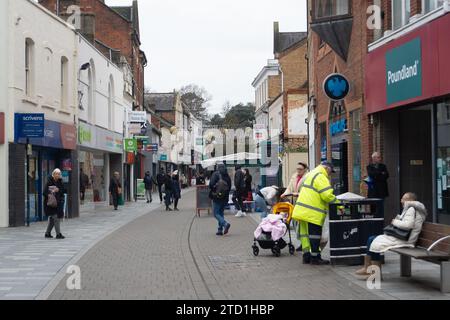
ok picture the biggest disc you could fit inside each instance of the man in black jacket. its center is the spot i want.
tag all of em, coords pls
(160, 179)
(378, 174)
(148, 181)
(239, 183)
(220, 180)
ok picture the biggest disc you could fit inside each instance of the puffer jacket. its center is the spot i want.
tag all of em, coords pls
(59, 211)
(413, 216)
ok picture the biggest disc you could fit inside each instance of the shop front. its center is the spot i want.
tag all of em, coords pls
(100, 155)
(408, 97)
(57, 149)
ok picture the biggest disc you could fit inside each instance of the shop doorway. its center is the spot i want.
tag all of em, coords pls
(416, 154)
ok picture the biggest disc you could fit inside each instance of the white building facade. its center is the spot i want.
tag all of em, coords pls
(102, 113)
(41, 80)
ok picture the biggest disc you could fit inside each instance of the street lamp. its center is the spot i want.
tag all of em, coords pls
(84, 67)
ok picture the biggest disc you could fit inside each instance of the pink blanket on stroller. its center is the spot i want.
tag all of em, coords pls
(273, 224)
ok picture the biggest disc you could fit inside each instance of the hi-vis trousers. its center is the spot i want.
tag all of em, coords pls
(310, 236)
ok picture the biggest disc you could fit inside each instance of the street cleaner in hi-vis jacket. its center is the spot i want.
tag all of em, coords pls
(315, 195)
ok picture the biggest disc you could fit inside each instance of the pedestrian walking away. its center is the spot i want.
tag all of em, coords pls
(239, 184)
(377, 180)
(168, 186)
(84, 183)
(220, 186)
(248, 188)
(316, 193)
(149, 182)
(176, 190)
(160, 179)
(115, 190)
(54, 203)
(411, 220)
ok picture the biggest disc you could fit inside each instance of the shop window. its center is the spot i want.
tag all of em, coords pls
(401, 12)
(331, 8)
(443, 162)
(29, 67)
(64, 78)
(430, 5)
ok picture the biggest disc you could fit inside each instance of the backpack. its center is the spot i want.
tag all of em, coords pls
(221, 189)
(51, 201)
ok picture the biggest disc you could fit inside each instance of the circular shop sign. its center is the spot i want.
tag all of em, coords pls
(336, 87)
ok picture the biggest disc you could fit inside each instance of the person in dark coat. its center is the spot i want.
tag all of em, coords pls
(378, 176)
(176, 189)
(115, 189)
(219, 204)
(84, 183)
(200, 181)
(168, 186)
(54, 211)
(239, 183)
(248, 187)
(149, 181)
(160, 179)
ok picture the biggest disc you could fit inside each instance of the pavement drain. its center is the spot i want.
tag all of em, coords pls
(233, 262)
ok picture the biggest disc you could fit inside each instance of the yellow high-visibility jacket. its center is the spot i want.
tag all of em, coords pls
(316, 193)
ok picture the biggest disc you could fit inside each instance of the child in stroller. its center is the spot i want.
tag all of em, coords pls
(270, 232)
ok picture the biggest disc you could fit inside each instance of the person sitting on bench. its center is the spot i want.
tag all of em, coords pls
(406, 225)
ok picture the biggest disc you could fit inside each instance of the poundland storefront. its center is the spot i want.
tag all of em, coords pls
(408, 97)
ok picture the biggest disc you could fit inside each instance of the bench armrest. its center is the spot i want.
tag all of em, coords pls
(437, 242)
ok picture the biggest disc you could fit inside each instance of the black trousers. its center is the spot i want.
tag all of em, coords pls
(315, 234)
(238, 200)
(115, 199)
(160, 192)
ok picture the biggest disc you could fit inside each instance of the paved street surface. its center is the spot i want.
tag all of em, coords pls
(143, 252)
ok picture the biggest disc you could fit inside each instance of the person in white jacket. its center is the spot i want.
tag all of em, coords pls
(412, 218)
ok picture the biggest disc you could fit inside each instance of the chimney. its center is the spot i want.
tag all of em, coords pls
(276, 37)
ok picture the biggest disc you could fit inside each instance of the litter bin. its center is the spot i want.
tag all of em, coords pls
(350, 231)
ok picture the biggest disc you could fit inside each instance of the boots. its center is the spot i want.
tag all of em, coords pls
(317, 261)
(363, 270)
(307, 258)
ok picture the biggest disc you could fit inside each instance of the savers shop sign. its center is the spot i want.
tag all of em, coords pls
(404, 72)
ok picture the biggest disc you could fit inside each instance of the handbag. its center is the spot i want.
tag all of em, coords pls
(51, 201)
(398, 233)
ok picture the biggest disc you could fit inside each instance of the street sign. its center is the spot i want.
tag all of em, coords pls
(152, 147)
(130, 145)
(137, 117)
(134, 128)
(336, 87)
(163, 157)
(30, 125)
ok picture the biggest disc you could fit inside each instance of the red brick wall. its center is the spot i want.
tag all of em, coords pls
(112, 30)
(324, 61)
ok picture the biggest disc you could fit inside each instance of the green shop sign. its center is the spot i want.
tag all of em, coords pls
(84, 134)
(404, 72)
(130, 145)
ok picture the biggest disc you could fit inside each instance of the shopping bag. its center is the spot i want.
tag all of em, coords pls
(121, 201)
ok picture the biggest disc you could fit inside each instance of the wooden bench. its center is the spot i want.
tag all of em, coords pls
(433, 246)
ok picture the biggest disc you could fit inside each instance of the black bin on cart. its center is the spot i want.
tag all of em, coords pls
(350, 231)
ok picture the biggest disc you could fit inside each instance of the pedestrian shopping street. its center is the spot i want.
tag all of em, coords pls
(143, 252)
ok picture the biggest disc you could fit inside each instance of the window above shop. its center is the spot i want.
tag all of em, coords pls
(401, 13)
(331, 9)
(431, 5)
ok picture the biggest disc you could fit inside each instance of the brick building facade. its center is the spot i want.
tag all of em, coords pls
(113, 30)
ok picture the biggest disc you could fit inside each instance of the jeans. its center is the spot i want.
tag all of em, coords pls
(219, 208)
(168, 199)
(160, 192)
(148, 195)
(53, 221)
(260, 204)
(375, 256)
(238, 201)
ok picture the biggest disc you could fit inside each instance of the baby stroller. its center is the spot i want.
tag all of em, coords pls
(266, 242)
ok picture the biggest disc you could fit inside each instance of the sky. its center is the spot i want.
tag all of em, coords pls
(220, 45)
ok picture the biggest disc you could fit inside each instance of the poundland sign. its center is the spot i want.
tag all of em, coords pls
(404, 72)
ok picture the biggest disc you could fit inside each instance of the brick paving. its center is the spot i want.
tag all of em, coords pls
(146, 253)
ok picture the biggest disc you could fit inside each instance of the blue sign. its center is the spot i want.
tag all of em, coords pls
(336, 87)
(154, 147)
(338, 127)
(29, 125)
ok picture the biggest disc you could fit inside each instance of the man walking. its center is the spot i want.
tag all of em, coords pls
(378, 175)
(168, 186)
(239, 183)
(160, 179)
(220, 186)
(84, 183)
(315, 194)
(148, 181)
(115, 190)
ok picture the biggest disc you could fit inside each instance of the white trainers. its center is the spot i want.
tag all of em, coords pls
(239, 214)
(244, 214)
